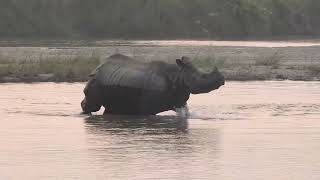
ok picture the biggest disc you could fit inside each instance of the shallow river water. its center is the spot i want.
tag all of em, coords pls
(245, 130)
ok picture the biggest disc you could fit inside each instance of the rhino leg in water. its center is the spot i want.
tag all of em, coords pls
(183, 111)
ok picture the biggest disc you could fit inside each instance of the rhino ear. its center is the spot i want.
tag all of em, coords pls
(179, 62)
(184, 61)
(214, 70)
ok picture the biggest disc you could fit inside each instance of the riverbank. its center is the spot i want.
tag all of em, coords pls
(73, 64)
(54, 69)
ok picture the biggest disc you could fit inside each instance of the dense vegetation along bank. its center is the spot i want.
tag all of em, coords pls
(159, 18)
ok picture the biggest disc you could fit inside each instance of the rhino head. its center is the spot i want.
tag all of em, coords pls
(198, 82)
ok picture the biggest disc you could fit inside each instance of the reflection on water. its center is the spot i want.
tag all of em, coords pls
(156, 123)
(245, 130)
(154, 147)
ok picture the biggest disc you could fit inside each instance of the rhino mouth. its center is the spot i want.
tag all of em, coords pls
(208, 88)
(88, 106)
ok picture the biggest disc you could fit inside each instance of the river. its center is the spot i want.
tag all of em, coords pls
(245, 130)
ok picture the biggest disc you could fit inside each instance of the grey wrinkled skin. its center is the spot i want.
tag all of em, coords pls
(124, 85)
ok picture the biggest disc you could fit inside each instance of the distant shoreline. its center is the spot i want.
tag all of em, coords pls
(8, 80)
(237, 63)
(97, 42)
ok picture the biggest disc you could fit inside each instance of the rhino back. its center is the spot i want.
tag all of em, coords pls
(132, 73)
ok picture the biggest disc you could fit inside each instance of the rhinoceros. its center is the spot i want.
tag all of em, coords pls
(124, 85)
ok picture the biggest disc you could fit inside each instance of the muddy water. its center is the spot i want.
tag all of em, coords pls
(245, 130)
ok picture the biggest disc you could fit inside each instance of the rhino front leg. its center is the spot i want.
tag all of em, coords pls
(183, 111)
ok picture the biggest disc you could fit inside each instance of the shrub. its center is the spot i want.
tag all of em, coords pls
(272, 61)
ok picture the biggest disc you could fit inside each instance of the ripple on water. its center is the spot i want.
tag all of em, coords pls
(245, 130)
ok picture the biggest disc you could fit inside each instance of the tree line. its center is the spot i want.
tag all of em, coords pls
(160, 19)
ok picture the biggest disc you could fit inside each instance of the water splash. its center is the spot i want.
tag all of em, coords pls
(183, 112)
